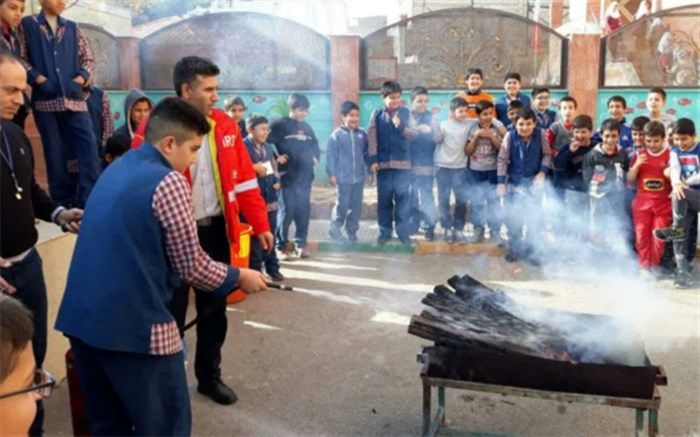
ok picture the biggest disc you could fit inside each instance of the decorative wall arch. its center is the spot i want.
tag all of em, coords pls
(662, 49)
(253, 51)
(435, 49)
(106, 53)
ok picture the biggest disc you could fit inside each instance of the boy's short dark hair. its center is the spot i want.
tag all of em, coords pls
(639, 122)
(458, 102)
(234, 101)
(515, 104)
(474, 70)
(568, 99)
(512, 75)
(348, 106)
(659, 91)
(684, 126)
(610, 124)
(298, 101)
(539, 90)
(654, 129)
(174, 116)
(255, 120)
(390, 87)
(418, 91)
(17, 329)
(483, 105)
(117, 145)
(188, 68)
(583, 121)
(618, 99)
(527, 114)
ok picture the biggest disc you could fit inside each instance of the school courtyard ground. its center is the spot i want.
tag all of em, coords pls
(336, 358)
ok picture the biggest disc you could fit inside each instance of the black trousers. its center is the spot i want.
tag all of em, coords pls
(211, 328)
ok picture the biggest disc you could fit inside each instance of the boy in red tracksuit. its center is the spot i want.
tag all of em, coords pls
(651, 208)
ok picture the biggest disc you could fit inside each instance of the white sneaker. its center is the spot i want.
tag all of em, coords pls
(646, 275)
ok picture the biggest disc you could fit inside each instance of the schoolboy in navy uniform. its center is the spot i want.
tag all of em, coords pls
(123, 275)
(524, 159)
(390, 158)
(616, 110)
(540, 104)
(511, 85)
(60, 63)
(422, 147)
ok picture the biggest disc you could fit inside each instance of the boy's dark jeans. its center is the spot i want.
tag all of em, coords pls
(522, 200)
(294, 206)
(607, 217)
(258, 256)
(452, 180)
(685, 215)
(62, 133)
(348, 208)
(422, 202)
(393, 203)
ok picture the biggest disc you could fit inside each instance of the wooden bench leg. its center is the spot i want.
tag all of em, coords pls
(653, 422)
(441, 403)
(426, 408)
(639, 422)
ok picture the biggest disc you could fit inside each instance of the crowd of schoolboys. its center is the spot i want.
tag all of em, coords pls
(547, 176)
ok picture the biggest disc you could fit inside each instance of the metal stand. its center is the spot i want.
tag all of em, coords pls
(433, 424)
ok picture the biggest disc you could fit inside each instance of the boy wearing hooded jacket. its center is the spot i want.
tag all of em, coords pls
(137, 106)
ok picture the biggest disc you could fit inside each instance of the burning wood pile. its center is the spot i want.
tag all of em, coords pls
(483, 335)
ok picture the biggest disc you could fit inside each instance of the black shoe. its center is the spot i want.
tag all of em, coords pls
(382, 240)
(669, 234)
(430, 234)
(276, 276)
(683, 281)
(218, 391)
(512, 256)
(406, 241)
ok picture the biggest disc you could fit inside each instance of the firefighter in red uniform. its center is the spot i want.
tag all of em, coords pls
(651, 208)
(224, 184)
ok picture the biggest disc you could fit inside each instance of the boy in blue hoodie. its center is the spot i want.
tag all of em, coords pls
(264, 159)
(346, 155)
(390, 159)
(422, 148)
(523, 161)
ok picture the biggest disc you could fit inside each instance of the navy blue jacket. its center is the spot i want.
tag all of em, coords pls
(346, 155)
(265, 183)
(525, 162)
(56, 60)
(502, 107)
(422, 147)
(297, 140)
(546, 118)
(570, 165)
(392, 147)
(120, 280)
